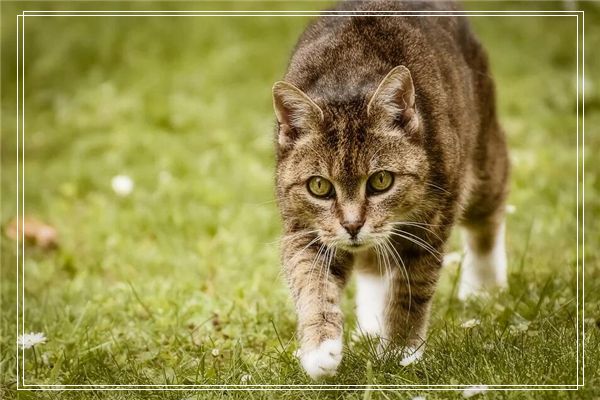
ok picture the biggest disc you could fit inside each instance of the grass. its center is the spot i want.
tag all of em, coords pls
(179, 283)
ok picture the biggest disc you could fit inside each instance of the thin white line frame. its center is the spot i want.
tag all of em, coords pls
(278, 13)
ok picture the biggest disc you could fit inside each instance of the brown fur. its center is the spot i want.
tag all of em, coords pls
(443, 143)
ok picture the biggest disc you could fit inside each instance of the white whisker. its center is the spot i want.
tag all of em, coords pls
(292, 236)
(292, 260)
(437, 187)
(419, 226)
(314, 263)
(419, 242)
(417, 238)
(405, 273)
(389, 274)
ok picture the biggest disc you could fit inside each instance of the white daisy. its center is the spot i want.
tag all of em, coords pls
(473, 391)
(470, 323)
(29, 340)
(122, 185)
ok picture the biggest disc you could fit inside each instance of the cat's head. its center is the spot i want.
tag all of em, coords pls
(350, 168)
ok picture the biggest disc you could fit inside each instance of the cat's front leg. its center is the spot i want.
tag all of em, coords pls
(316, 277)
(411, 288)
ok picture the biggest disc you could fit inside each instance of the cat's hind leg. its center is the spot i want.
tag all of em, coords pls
(484, 266)
(483, 219)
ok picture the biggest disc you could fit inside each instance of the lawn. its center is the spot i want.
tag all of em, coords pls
(179, 282)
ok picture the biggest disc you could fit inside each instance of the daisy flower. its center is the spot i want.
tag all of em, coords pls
(122, 185)
(473, 391)
(29, 340)
(470, 323)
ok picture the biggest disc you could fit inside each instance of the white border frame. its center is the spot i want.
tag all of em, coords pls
(580, 79)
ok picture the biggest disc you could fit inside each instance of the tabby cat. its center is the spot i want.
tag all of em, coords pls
(386, 137)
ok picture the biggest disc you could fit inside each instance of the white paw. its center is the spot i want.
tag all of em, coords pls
(482, 272)
(324, 360)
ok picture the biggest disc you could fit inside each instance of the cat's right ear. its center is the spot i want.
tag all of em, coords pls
(394, 99)
(295, 112)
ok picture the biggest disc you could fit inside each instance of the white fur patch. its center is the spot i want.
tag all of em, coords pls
(371, 294)
(324, 360)
(452, 259)
(481, 271)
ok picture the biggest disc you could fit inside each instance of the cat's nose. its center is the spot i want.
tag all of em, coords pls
(353, 227)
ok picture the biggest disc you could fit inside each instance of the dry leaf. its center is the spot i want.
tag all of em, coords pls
(35, 231)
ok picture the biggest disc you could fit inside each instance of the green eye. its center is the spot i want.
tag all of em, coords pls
(380, 181)
(320, 187)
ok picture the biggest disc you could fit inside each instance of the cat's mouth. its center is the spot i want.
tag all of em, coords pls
(354, 245)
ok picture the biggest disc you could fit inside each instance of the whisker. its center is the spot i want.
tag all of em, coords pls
(420, 243)
(314, 263)
(298, 254)
(322, 264)
(331, 258)
(292, 236)
(377, 249)
(405, 273)
(376, 153)
(388, 274)
(418, 238)
(417, 223)
(420, 226)
(438, 187)
(291, 262)
(262, 203)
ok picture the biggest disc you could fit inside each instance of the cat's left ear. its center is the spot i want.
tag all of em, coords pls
(395, 98)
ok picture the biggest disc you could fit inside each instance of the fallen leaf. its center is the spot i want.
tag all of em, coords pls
(35, 232)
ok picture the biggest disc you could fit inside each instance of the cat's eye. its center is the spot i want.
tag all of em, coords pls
(320, 187)
(380, 181)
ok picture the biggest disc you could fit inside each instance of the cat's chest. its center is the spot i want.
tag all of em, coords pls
(367, 262)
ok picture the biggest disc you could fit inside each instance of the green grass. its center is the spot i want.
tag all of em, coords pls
(179, 283)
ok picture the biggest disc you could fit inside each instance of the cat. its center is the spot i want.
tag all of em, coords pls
(386, 137)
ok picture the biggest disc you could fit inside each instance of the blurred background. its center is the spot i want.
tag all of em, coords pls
(152, 251)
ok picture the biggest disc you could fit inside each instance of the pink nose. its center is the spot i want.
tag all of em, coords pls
(353, 227)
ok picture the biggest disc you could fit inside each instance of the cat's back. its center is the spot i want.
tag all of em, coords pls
(352, 50)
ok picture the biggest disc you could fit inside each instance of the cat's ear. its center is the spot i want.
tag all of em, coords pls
(395, 99)
(295, 112)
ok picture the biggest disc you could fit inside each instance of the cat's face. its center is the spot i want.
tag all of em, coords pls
(349, 171)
